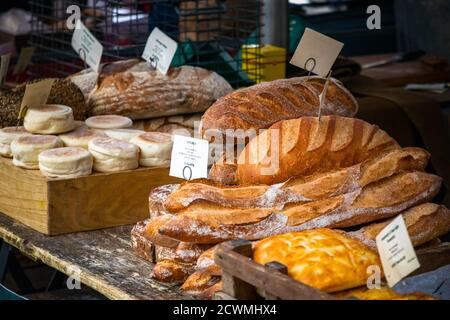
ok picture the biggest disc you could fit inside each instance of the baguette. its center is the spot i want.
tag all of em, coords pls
(305, 146)
(378, 200)
(424, 222)
(314, 187)
(259, 106)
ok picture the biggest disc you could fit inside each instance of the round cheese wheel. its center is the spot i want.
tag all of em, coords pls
(49, 119)
(123, 134)
(111, 155)
(26, 149)
(156, 148)
(7, 136)
(108, 122)
(68, 162)
(80, 137)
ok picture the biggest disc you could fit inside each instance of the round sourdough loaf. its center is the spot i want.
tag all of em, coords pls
(111, 155)
(156, 148)
(68, 162)
(123, 134)
(108, 122)
(26, 149)
(80, 137)
(49, 119)
(7, 136)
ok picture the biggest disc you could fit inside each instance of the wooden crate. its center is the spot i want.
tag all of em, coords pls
(57, 206)
(243, 278)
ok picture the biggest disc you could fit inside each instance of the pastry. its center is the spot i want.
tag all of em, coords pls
(7, 136)
(49, 119)
(156, 149)
(68, 162)
(383, 293)
(26, 149)
(111, 155)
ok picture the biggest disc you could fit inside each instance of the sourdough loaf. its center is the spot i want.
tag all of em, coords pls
(259, 106)
(135, 90)
(307, 145)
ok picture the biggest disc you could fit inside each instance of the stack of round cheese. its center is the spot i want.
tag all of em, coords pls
(26, 149)
(49, 119)
(156, 148)
(7, 136)
(101, 123)
(68, 162)
(80, 137)
(112, 155)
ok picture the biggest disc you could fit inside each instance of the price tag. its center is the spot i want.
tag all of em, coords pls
(189, 158)
(87, 46)
(24, 59)
(396, 251)
(316, 52)
(4, 65)
(36, 94)
(160, 50)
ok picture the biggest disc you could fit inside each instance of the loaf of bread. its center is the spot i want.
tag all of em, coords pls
(309, 188)
(138, 91)
(322, 258)
(63, 92)
(157, 198)
(210, 223)
(424, 222)
(180, 125)
(141, 246)
(260, 106)
(305, 146)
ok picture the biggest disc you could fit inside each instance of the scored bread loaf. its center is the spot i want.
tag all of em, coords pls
(304, 146)
(259, 106)
(314, 187)
(424, 222)
(211, 223)
(138, 91)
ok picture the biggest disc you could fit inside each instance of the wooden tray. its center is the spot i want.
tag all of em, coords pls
(57, 206)
(243, 278)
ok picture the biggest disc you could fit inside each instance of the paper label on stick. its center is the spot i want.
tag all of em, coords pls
(36, 94)
(396, 251)
(24, 59)
(189, 158)
(159, 50)
(87, 46)
(4, 65)
(316, 52)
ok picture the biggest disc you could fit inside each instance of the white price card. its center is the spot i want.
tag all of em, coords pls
(396, 251)
(36, 94)
(26, 53)
(87, 46)
(4, 65)
(159, 50)
(189, 158)
(316, 52)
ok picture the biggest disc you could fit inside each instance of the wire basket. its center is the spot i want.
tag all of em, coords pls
(210, 33)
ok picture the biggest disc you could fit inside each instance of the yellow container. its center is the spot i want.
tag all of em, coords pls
(265, 63)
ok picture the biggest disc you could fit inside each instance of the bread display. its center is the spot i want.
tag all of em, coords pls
(138, 91)
(155, 149)
(108, 122)
(305, 146)
(80, 137)
(383, 293)
(49, 119)
(7, 136)
(260, 106)
(26, 149)
(322, 258)
(68, 162)
(111, 155)
(123, 134)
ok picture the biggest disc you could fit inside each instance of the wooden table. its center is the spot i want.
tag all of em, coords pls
(104, 257)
